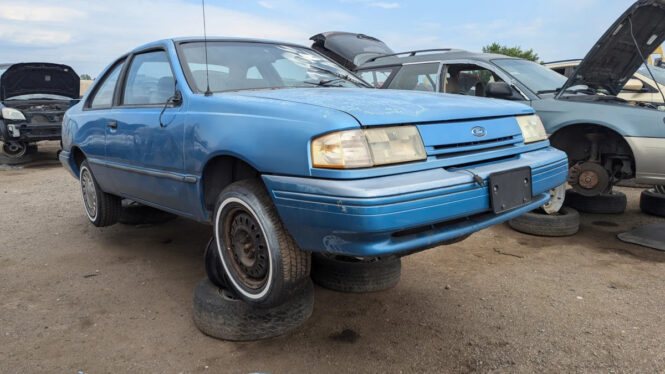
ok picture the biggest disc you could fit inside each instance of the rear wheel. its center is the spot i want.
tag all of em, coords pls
(101, 208)
(260, 259)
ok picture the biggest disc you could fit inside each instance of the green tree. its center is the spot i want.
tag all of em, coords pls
(511, 51)
(86, 77)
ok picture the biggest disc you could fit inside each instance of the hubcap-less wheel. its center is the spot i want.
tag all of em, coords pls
(14, 149)
(246, 245)
(89, 193)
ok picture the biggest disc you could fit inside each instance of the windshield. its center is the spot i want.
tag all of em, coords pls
(534, 76)
(658, 73)
(243, 65)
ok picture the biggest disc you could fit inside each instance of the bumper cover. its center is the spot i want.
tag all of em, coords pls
(405, 212)
(29, 132)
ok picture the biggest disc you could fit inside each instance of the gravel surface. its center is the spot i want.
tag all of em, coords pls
(119, 299)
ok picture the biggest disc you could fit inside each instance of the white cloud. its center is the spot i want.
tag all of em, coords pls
(34, 13)
(267, 4)
(385, 5)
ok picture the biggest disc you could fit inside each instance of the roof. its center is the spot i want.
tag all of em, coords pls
(453, 54)
(572, 61)
(212, 39)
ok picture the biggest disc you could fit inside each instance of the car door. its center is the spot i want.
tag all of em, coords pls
(97, 112)
(145, 144)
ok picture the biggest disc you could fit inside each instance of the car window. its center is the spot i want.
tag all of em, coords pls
(376, 77)
(468, 79)
(535, 77)
(104, 95)
(241, 66)
(418, 77)
(149, 80)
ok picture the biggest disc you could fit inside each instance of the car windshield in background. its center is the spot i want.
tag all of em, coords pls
(658, 73)
(236, 66)
(39, 97)
(534, 76)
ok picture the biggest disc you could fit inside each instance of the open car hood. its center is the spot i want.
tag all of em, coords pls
(39, 78)
(349, 49)
(614, 58)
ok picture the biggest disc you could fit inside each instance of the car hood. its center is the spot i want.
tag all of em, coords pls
(39, 78)
(371, 107)
(614, 58)
(349, 49)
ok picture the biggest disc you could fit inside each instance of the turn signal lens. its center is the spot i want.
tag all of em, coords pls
(532, 128)
(366, 148)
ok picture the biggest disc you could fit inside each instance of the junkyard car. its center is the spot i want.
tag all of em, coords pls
(283, 150)
(605, 137)
(33, 99)
(644, 88)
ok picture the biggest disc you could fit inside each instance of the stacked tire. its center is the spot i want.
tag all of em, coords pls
(653, 201)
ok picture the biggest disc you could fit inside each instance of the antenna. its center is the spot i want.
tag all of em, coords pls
(205, 47)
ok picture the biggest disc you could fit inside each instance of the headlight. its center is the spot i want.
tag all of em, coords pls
(532, 128)
(366, 148)
(12, 114)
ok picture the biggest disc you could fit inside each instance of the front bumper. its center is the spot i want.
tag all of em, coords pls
(29, 133)
(405, 212)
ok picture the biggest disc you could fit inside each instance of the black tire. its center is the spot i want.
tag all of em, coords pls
(107, 207)
(260, 259)
(348, 274)
(564, 223)
(134, 213)
(652, 202)
(611, 203)
(213, 266)
(220, 315)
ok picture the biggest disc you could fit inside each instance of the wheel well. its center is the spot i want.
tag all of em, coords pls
(222, 171)
(575, 141)
(78, 156)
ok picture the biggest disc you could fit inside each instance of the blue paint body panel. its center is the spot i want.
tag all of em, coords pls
(356, 212)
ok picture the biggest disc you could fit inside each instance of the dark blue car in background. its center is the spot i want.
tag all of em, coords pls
(285, 152)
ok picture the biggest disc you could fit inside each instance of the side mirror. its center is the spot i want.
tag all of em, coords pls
(634, 85)
(176, 99)
(499, 90)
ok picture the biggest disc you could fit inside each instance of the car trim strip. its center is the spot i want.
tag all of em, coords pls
(188, 178)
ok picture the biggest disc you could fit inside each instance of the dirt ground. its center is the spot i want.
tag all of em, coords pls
(119, 299)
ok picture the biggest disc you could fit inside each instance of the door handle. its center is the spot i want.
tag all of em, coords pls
(112, 124)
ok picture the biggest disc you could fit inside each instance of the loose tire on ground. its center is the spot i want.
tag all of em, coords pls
(219, 314)
(101, 208)
(349, 274)
(261, 261)
(611, 203)
(564, 223)
(653, 202)
(134, 213)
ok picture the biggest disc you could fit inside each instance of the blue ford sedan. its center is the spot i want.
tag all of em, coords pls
(285, 152)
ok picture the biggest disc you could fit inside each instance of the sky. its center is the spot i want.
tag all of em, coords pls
(89, 34)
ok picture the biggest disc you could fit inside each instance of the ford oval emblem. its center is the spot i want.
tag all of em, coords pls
(479, 131)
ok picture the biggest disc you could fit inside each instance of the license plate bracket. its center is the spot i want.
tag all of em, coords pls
(510, 189)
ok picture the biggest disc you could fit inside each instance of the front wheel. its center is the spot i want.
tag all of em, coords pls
(101, 208)
(261, 260)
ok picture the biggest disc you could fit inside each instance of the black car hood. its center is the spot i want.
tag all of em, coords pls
(39, 78)
(349, 49)
(614, 58)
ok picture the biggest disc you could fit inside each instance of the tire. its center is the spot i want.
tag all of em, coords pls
(564, 223)
(213, 266)
(220, 315)
(348, 274)
(610, 203)
(101, 208)
(652, 202)
(134, 213)
(260, 259)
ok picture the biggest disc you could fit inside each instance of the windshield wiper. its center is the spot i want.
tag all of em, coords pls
(326, 82)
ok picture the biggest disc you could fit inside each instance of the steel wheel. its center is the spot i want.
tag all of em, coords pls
(14, 149)
(245, 244)
(89, 192)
